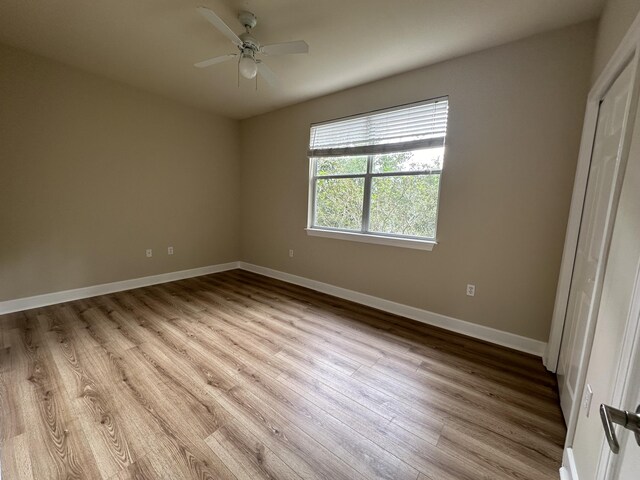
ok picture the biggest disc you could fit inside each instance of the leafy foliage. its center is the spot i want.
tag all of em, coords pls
(406, 205)
(339, 203)
(341, 165)
(419, 160)
(400, 204)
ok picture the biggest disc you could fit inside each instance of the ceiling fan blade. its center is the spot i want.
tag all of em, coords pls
(286, 48)
(217, 22)
(214, 60)
(267, 74)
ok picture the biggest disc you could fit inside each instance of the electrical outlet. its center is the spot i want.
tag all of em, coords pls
(471, 290)
(169, 250)
(586, 401)
(291, 253)
(149, 253)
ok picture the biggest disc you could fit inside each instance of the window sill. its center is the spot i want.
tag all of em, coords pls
(376, 239)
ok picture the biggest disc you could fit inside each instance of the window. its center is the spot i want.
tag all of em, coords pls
(376, 177)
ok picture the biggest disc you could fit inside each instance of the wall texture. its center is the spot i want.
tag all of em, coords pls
(617, 17)
(515, 120)
(93, 172)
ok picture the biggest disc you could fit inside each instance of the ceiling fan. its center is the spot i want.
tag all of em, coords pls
(248, 65)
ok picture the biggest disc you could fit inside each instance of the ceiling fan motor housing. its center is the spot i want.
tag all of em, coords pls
(248, 42)
(248, 19)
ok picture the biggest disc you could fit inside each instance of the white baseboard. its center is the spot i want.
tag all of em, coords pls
(568, 470)
(489, 334)
(474, 330)
(92, 291)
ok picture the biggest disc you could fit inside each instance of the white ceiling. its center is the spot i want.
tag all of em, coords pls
(152, 44)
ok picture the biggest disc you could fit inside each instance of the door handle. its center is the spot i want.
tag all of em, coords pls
(628, 420)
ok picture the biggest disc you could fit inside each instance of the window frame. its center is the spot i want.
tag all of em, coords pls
(364, 234)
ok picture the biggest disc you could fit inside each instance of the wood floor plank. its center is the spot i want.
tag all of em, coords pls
(155, 412)
(118, 434)
(167, 398)
(420, 422)
(417, 448)
(51, 429)
(309, 458)
(246, 456)
(15, 458)
(90, 402)
(236, 353)
(167, 460)
(10, 321)
(183, 417)
(12, 386)
(373, 424)
(110, 327)
(236, 375)
(419, 335)
(366, 353)
(360, 452)
(486, 447)
(403, 444)
(326, 321)
(260, 330)
(456, 404)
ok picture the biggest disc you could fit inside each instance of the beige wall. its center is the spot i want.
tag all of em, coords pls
(93, 172)
(617, 17)
(515, 120)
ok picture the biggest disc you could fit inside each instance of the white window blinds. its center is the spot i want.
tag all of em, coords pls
(410, 127)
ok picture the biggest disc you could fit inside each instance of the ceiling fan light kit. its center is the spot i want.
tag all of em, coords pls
(248, 65)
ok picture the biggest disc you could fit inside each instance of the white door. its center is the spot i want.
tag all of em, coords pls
(626, 391)
(626, 465)
(613, 372)
(598, 211)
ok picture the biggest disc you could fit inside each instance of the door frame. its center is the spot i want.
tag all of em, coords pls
(627, 53)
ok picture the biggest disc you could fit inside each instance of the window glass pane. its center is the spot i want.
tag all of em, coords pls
(340, 165)
(339, 203)
(405, 205)
(427, 159)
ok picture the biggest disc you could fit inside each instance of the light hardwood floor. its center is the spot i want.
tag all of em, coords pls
(235, 375)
